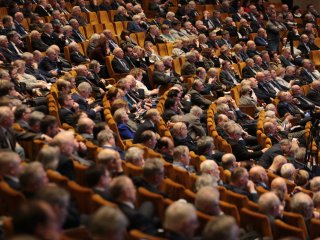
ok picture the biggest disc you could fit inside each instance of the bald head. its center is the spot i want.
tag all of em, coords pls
(258, 175)
(279, 187)
(269, 204)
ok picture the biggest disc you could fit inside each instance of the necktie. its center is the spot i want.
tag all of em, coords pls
(233, 78)
(124, 64)
(80, 36)
(84, 9)
(307, 47)
(8, 139)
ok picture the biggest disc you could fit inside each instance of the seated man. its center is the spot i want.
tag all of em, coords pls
(68, 109)
(270, 205)
(34, 215)
(86, 104)
(165, 146)
(59, 200)
(32, 179)
(159, 77)
(196, 97)
(135, 156)
(207, 201)
(279, 187)
(148, 139)
(110, 159)
(85, 128)
(314, 93)
(123, 193)
(181, 137)
(211, 167)
(282, 148)
(206, 147)
(302, 203)
(240, 183)
(10, 168)
(288, 171)
(239, 149)
(259, 177)
(108, 223)
(277, 162)
(222, 227)
(99, 179)
(153, 172)
(180, 221)
(181, 158)
(229, 163)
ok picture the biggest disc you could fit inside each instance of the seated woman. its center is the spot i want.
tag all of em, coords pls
(121, 118)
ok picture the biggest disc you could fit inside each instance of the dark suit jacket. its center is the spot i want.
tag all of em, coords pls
(252, 196)
(13, 184)
(286, 107)
(66, 167)
(9, 55)
(41, 11)
(67, 116)
(304, 51)
(77, 36)
(251, 53)
(153, 40)
(242, 152)
(160, 78)
(118, 67)
(134, 27)
(226, 79)
(84, 106)
(314, 96)
(3, 141)
(77, 58)
(188, 141)
(285, 62)
(52, 39)
(267, 158)
(12, 49)
(46, 65)
(260, 41)
(199, 100)
(146, 125)
(121, 18)
(307, 76)
(20, 29)
(167, 114)
(247, 72)
(136, 219)
(141, 182)
(39, 45)
(305, 103)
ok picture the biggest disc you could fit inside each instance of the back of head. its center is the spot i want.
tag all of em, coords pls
(315, 184)
(177, 217)
(222, 227)
(108, 223)
(269, 204)
(302, 203)
(207, 201)
(279, 187)
(36, 218)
